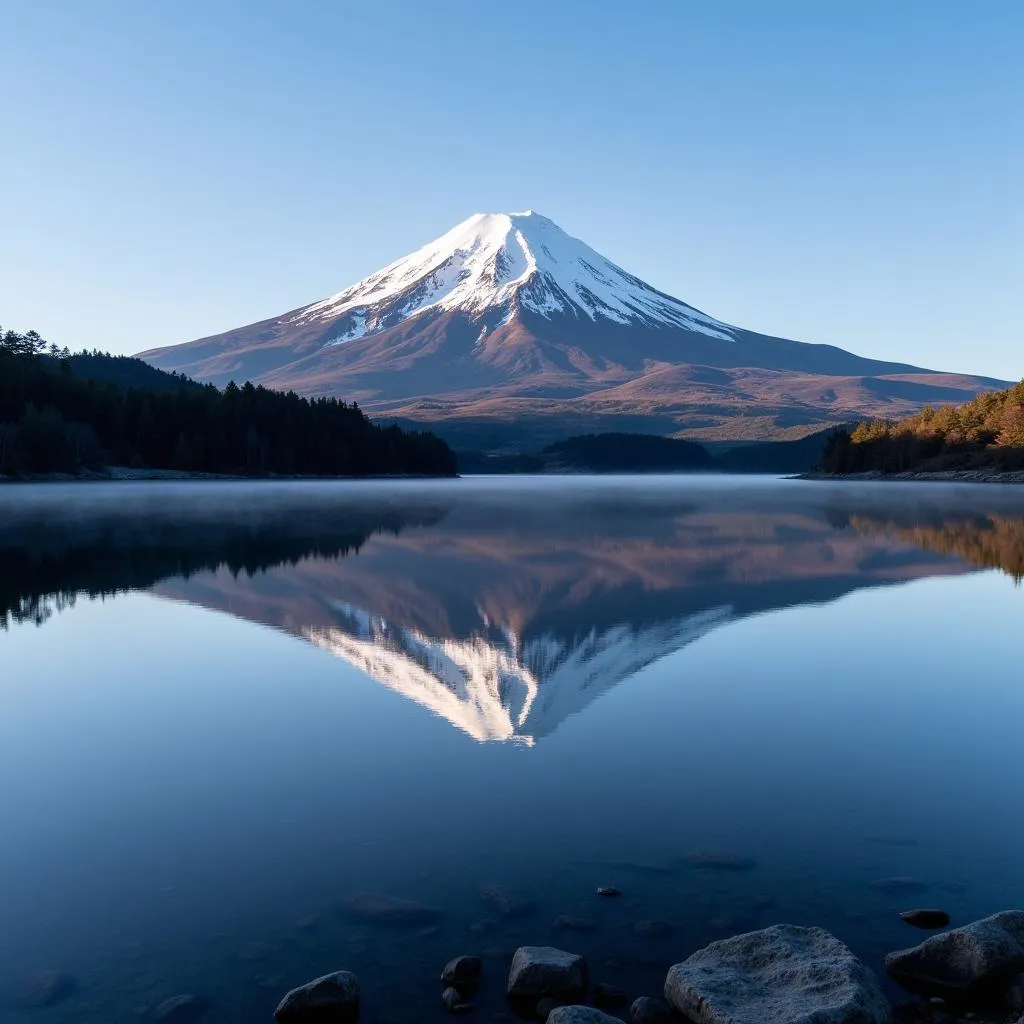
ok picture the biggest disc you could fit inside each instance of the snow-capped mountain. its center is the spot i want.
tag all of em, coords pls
(508, 317)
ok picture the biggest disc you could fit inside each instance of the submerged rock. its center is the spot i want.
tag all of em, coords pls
(463, 972)
(926, 918)
(784, 974)
(654, 929)
(899, 886)
(608, 891)
(609, 995)
(539, 971)
(646, 1010)
(545, 1006)
(568, 923)
(507, 903)
(377, 908)
(332, 999)
(183, 1009)
(979, 959)
(718, 861)
(580, 1015)
(453, 1002)
(46, 988)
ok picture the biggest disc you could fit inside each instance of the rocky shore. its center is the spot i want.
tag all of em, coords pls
(955, 476)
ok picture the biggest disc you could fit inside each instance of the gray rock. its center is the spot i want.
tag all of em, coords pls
(606, 995)
(784, 974)
(545, 1006)
(580, 1015)
(927, 919)
(183, 1009)
(377, 908)
(539, 971)
(452, 1001)
(654, 929)
(1015, 994)
(507, 903)
(646, 1010)
(568, 923)
(332, 999)
(463, 972)
(979, 958)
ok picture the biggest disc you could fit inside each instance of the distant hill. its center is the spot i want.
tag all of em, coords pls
(798, 456)
(123, 372)
(985, 433)
(636, 453)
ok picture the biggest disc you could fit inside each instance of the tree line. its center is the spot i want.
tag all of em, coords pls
(65, 413)
(985, 433)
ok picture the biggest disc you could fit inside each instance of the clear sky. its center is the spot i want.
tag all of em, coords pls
(849, 171)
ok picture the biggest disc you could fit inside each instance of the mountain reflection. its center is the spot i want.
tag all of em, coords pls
(502, 611)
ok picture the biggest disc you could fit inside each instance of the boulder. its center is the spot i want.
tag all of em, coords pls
(183, 1009)
(784, 974)
(580, 1015)
(539, 971)
(463, 972)
(646, 1010)
(545, 1006)
(452, 1001)
(332, 999)
(376, 908)
(927, 919)
(1015, 994)
(507, 903)
(978, 959)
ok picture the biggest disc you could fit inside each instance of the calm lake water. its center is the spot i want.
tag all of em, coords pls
(226, 708)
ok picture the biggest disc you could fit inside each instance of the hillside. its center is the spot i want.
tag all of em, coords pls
(61, 413)
(508, 324)
(985, 433)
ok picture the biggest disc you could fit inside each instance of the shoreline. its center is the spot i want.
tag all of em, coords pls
(949, 476)
(126, 474)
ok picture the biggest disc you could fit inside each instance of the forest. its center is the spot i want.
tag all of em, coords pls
(70, 414)
(985, 433)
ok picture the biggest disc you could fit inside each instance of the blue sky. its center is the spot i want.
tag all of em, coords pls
(846, 171)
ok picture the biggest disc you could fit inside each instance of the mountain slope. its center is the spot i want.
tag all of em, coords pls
(508, 317)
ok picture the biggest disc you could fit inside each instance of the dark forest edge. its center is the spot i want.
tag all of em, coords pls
(79, 414)
(983, 436)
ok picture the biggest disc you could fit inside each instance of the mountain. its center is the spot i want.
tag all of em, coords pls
(506, 319)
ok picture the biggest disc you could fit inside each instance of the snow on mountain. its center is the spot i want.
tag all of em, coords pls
(491, 685)
(504, 261)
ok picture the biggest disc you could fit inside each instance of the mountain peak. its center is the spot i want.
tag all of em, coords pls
(505, 263)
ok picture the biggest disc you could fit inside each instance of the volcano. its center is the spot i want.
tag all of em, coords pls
(506, 320)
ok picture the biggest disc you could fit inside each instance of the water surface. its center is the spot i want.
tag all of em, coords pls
(224, 709)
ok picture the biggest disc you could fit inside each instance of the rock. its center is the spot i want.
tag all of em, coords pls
(899, 886)
(608, 891)
(463, 972)
(978, 959)
(783, 974)
(718, 861)
(545, 1006)
(332, 999)
(580, 1015)
(451, 999)
(646, 1010)
(1015, 994)
(183, 1009)
(568, 923)
(376, 908)
(46, 988)
(539, 971)
(507, 903)
(609, 995)
(926, 919)
(653, 929)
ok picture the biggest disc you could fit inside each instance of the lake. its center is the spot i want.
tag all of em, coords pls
(225, 709)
